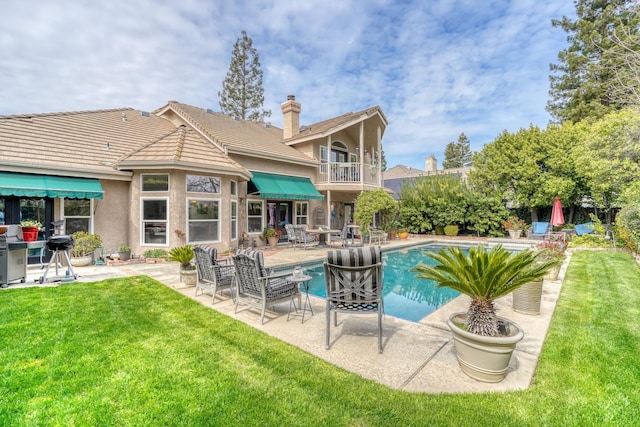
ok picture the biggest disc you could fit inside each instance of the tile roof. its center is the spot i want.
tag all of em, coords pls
(239, 136)
(182, 147)
(320, 128)
(82, 141)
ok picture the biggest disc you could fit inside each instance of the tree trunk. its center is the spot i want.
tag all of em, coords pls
(534, 214)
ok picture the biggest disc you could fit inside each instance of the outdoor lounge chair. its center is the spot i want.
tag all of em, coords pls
(538, 230)
(353, 279)
(256, 287)
(581, 229)
(213, 275)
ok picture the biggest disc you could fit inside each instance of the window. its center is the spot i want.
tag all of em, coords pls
(302, 213)
(155, 221)
(255, 210)
(234, 220)
(155, 182)
(204, 220)
(203, 184)
(77, 215)
(234, 188)
(324, 158)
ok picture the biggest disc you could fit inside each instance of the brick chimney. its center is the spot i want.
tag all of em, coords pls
(291, 117)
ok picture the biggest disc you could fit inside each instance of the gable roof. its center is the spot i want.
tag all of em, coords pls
(182, 148)
(80, 143)
(335, 124)
(238, 136)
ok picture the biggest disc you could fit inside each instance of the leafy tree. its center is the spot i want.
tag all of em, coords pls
(378, 203)
(457, 154)
(580, 83)
(625, 63)
(486, 213)
(431, 201)
(529, 168)
(609, 157)
(242, 93)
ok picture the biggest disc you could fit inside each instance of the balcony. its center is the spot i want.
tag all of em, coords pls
(349, 173)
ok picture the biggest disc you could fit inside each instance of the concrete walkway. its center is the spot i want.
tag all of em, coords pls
(418, 357)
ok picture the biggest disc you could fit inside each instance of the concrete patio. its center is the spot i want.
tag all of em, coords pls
(418, 357)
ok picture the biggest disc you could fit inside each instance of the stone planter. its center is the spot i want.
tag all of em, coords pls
(484, 358)
(527, 298)
(515, 234)
(273, 241)
(553, 273)
(82, 261)
(189, 277)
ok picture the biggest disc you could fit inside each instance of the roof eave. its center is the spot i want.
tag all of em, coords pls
(181, 165)
(65, 171)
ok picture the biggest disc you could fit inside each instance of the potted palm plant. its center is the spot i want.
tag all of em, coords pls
(184, 255)
(484, 342)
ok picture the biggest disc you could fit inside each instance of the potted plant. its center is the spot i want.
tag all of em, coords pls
(514, 226)
(125, 252)
(30, 229)
(403, 233)
(271, 234)
(84, 245)
(184, 255)
(484, 342)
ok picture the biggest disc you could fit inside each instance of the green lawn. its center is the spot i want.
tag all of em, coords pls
(134, 352)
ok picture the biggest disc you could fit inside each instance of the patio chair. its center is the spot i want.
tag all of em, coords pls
(353, 279)
(303, 237)
(581, 229)
(213, 275)
(257, 288)
(538, 230)
(377, 236)
(291, 234)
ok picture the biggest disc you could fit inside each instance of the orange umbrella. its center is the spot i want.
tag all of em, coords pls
(557, 218)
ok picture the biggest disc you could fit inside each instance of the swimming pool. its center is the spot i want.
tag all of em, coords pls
(405, 296)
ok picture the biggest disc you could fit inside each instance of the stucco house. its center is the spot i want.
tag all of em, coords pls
(183, 174)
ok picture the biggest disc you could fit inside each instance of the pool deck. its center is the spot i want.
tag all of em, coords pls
(417, 357)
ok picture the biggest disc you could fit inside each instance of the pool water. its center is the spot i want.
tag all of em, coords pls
(405, 296)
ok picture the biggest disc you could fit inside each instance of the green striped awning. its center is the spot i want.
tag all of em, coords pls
(274, 186)
(32, 185)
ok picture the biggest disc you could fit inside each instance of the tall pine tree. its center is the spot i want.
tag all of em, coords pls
(242, 93)
(581, 81)
(457, 154)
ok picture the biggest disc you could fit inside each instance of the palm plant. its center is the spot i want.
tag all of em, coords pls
(483, 275)
(183, 255)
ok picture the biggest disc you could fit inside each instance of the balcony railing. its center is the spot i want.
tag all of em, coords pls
(348, 173)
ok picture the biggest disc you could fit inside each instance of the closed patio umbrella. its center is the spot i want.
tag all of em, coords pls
(557, 218)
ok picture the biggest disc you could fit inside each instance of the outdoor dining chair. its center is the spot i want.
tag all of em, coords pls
(258, 288)
(213, 275)
(353, 280)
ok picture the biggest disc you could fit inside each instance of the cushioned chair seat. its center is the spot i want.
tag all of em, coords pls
(585, 228)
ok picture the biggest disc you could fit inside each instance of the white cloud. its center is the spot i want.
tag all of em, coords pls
(436, 68)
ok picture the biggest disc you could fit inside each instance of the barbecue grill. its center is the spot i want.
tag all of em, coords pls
(14, 255)
(60, 245)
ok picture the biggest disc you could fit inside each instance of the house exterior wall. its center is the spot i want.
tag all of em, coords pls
(111, 214)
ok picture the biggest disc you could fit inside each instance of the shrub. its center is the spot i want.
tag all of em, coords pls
(451, 230)
(155, 253)
(84, 243)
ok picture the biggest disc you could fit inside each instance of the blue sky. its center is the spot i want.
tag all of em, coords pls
(436, 68)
